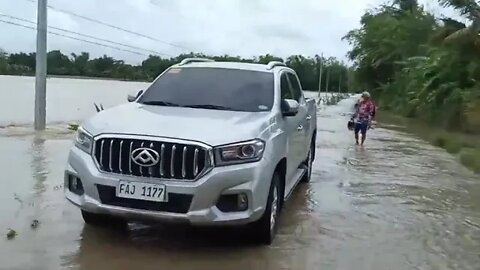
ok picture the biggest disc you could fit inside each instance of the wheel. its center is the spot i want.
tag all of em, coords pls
(100, 220)
(309, 162)
(266, 228)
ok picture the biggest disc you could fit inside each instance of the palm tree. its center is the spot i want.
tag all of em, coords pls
(469, 9)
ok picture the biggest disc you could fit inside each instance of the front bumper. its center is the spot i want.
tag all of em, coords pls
(252, 179)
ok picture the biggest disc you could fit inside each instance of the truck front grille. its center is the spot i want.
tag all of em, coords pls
(176, 161)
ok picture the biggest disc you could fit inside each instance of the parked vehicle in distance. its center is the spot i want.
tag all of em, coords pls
(208, 143)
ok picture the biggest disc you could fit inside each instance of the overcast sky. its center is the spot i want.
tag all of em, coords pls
(235, 27)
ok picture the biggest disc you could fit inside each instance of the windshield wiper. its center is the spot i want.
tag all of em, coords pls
(210, 106)
(161, 103)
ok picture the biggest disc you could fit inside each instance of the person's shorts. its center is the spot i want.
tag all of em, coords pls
(361, 126)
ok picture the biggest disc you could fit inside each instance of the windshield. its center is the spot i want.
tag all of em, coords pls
(212, 88)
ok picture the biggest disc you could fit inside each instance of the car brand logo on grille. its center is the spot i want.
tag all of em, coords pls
(145, 157)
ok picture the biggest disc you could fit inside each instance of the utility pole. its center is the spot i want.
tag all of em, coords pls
(328, 80)
(320, 78)
(41, 67)
(339, 84)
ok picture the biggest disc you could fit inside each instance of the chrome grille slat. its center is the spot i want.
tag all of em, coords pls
(172, 161)
(149, 170)
(177, 160)
(101, 153)
(141, 169)
(195, 162)
(120, 157)
(184, 157)
(162, 155)
(130, 158)
(110, 155)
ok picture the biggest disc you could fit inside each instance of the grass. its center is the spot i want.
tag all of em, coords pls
(73, 127)
(468, 150)
(448, 142)
(335, 98)
(471, 159)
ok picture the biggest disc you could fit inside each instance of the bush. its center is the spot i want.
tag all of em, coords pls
(449, 143)
(471, 160)
(440, 141)
(73, 127)
(453, 146)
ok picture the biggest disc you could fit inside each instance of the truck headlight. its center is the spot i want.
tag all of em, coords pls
(243, 152)
(83, 141)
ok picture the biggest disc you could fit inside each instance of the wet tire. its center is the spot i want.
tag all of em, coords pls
(99, 220)
(264, 230)
(308, 164)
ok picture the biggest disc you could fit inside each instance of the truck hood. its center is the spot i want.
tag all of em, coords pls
(213, 127)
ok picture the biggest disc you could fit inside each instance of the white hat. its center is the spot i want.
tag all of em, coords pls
(365, 94)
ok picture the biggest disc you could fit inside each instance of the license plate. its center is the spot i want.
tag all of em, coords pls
(142, 191)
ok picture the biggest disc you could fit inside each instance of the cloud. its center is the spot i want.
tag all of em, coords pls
(236, 27)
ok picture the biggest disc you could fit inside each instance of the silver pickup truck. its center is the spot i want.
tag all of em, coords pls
(207, 143)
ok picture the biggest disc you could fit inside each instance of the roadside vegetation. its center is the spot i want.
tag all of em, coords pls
(82, 65)
(334, 98)
(466, 147)
(422, 66)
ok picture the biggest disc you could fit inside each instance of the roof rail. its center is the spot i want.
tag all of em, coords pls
(193, 60)
(273, 64)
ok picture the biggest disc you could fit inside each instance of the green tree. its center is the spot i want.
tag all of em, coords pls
(58, 63)
(419, 65)
(80, 64)
(3, 62)
(23, 61)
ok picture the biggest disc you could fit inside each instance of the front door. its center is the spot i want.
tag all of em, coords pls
(295, 136)
(303, 116)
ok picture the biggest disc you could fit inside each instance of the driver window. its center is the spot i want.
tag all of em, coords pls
(286, 92)
(296, 88)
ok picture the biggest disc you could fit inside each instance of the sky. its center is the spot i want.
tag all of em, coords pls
(236, 27)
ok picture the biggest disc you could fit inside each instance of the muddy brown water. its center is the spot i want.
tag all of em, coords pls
(396, 203)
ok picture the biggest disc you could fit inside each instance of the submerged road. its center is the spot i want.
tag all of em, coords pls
(396, 203)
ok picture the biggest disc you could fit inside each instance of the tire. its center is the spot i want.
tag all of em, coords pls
(265, 228)
(308, 165)
(100, 220)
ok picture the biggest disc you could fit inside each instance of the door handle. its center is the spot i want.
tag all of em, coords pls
(309, 117)
(299, 128)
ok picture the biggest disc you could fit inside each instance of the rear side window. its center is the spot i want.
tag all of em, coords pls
(224, 89)
(296, 89)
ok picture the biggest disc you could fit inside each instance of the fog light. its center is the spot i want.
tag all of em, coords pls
(233, 203)
(75, 185)
(242, 202)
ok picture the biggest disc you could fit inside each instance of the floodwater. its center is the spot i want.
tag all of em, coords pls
(396, 203)
(18, 98)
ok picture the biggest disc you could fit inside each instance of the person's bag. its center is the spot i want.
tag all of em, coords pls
(350, 124)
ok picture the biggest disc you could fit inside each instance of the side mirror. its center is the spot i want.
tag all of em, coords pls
(289, 107)
(132, 98)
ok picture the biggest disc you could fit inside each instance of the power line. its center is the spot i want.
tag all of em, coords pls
(74, 38)
(112, 26)
(85, 35)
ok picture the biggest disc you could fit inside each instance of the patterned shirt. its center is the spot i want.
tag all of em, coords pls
(364, 111)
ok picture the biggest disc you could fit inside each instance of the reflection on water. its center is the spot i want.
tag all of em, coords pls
(39, 163)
